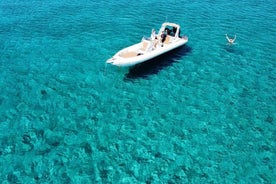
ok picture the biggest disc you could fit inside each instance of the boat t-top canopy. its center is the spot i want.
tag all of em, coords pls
(175, 31)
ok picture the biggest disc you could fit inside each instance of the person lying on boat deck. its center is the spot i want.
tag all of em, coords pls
(230, 41)
(163, 37)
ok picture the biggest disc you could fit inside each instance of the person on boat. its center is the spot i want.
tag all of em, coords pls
(230, 40)
(168, 31)
(155, 42)
(174, 31)
(152, 34)
(163, 37)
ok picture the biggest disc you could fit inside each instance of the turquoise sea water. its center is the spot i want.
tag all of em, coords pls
(204, 113)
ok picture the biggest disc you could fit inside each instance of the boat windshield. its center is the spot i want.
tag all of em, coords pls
(172, 31)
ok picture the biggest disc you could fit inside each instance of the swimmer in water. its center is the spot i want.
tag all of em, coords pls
(230, 41)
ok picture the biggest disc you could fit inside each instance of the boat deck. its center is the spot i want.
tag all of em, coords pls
(129, 54)
(145, 47)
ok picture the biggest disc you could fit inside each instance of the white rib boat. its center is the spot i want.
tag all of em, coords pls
(167, 39)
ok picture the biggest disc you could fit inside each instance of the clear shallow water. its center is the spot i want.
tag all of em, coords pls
(202, 114)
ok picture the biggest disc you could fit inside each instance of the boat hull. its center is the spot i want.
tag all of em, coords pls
(117, 60)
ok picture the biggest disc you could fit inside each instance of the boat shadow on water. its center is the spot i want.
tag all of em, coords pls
(155, 65)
